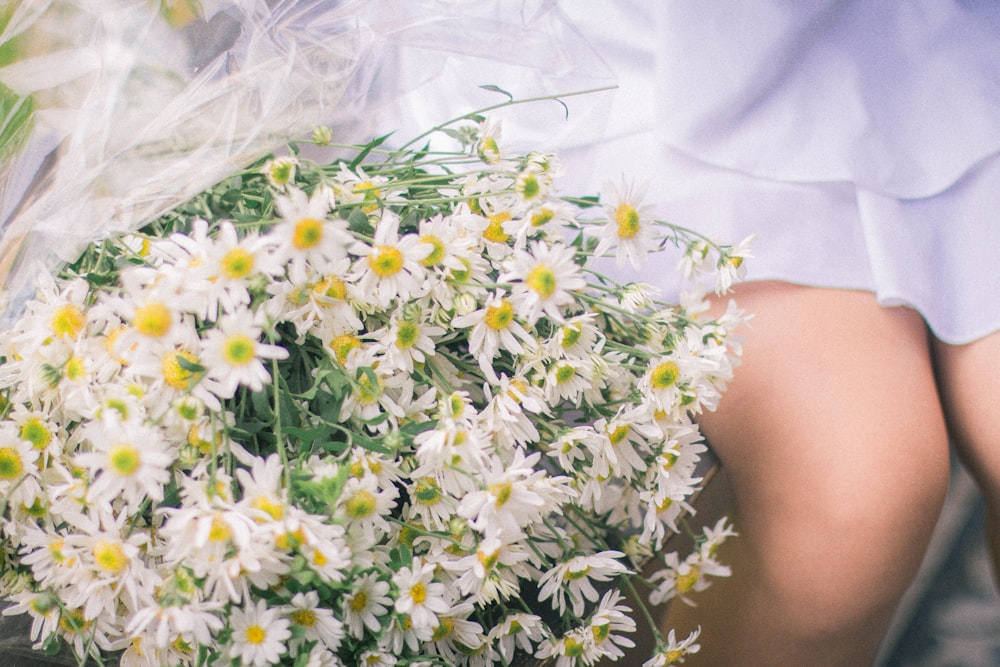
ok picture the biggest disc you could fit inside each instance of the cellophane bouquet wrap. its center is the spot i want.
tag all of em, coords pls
(383, 410)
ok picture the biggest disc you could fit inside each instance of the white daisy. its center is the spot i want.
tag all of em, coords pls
(730, 265)
(630, 227)
(316, 623)
(517, 631)
(610, 618)
(494, 328)
(232, 355)
(390, 267)
(569, 582)
(307, 241)
(544, 280)
(420, 597)
(674, 651)
(367, 602)
(258, 635)
(280, 171)
(127, 459)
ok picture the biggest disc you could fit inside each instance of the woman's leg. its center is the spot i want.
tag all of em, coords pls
(832, 437)
(969, 377)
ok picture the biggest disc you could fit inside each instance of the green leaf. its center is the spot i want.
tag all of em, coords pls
(16, 121)
(372, 145)
(497, 89)
(359, 223)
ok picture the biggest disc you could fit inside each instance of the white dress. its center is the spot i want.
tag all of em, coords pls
(859, 139)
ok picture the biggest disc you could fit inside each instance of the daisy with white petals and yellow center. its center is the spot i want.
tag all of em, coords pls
(630, 229)
(127, 460)
(390, 267)
(544, 280)
(258, 635)
(233, 354)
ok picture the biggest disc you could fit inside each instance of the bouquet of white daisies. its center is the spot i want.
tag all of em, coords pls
(380, 411)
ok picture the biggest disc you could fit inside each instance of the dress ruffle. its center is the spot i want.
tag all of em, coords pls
(859, 140)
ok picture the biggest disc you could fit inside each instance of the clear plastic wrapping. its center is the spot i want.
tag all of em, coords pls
(114, 111)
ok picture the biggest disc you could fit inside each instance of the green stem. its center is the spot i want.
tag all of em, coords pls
(494, 107)
(644, 608)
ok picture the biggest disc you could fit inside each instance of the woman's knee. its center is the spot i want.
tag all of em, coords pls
(839, 561)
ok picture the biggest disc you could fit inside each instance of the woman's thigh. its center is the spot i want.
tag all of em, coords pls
(969, 377)
(834, 443)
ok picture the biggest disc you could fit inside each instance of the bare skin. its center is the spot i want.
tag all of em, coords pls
(834, 441)
(970, 387)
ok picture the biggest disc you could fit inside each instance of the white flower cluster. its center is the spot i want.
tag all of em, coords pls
(339, 417)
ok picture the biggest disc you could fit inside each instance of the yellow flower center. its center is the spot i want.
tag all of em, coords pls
(671, 657)
(461, 275)
(307, 234)
(174, 374)
(153, 319)
(427, 492)
(220, 530)
(437, 250)
(124, 459)
(67, 321)
(418, 593)
(281, 171)
(72, 621)
(574, 575)
(237, 263)
(564, 373)
(685, 582)
(386, 261)
(269, 506)
(371, 195)
(331, 288)
(298, 296)
(11, 465)
(289, 540)
(570, 335)
(601, 632)
(407, 335)
(528, 186)
(445, 627)
(368, 392)
(618, 434)
(494, 230)
(342, 346)
(239, 349)
(110, 556)
(502, 492)
(573, 648)
(359, 601)
(542, 280)
(542, 217)
(76, 368)
(489, 151)
(668, 459)
(499, 317)
(664, 375)
(304, 617)
(488, 560)
(360, 505)
(627, 219)
(36, 432)
(256, 634)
